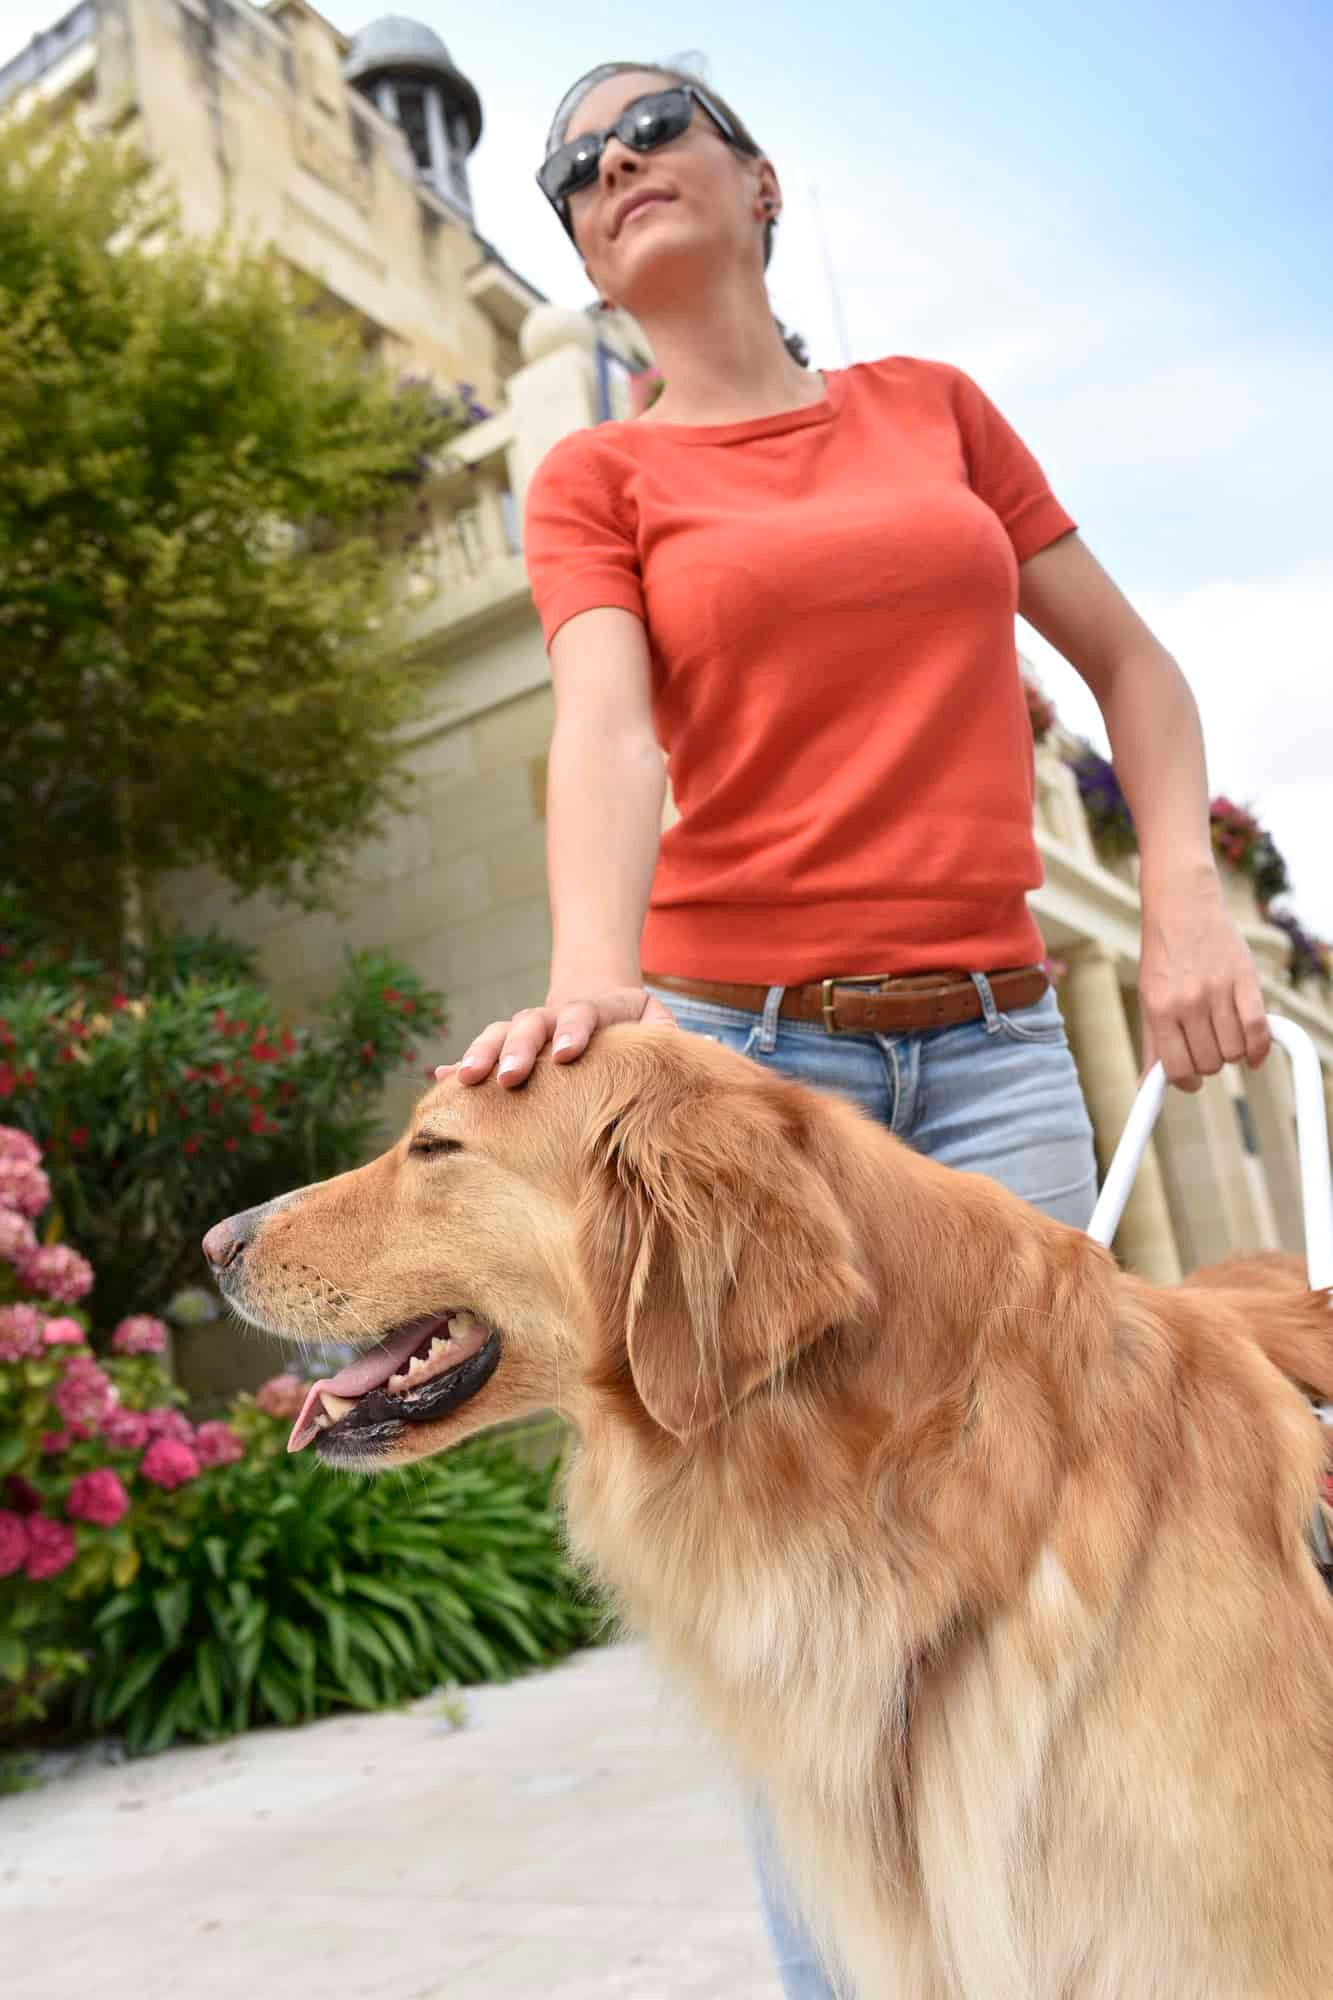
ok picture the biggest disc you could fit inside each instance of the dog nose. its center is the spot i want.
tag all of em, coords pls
(225, 1242)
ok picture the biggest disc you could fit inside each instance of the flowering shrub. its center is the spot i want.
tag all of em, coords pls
(161, 1112)
(1311, 957)
(1246, 846)
(77, 1490)
(166, 1580)
(295, 1592)
(1041, 711)
(1110, 821)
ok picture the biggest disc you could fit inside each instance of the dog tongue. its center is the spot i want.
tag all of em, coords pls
(370, 1371)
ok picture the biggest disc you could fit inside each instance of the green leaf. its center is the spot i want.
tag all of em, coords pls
(13, 1657)
(172, 1605)
(133, 1684)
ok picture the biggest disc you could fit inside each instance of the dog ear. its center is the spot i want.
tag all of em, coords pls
(713, 1249)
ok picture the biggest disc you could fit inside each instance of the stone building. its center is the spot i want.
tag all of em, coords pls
(351, 159)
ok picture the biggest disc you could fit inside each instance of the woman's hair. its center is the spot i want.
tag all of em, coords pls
(574, 96)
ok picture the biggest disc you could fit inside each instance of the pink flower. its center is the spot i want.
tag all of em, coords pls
(23, 1186)
(126, 1430)
(15, 1234)
(218, 1444)
(168, 1463)
(281, 1396)
(85, 1394)
(13, 1543)
(20, 1333)
(98, 1497)
(63, 1333)
(55, 1271)
(54, 1441)
(140, 1334)
(165, 1422)
(51, 1547)
(17, 1145)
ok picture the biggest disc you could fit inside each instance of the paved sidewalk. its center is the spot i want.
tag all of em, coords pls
(576, 1840)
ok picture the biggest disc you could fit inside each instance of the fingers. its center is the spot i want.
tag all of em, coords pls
(654, 1011)
(505, 1049)
(574, 1026)
(1206, 1029)
(1253, 1018)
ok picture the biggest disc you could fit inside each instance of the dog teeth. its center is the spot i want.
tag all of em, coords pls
(464, 1321)
(336, 1406)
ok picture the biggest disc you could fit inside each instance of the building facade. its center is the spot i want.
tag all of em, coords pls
(350, 159)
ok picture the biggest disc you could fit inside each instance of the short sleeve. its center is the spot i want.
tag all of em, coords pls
(578, 537)
(1003, 473)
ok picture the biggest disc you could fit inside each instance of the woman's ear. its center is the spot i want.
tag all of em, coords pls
(713, 1251)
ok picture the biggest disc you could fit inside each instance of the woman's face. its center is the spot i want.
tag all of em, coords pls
(695, 200)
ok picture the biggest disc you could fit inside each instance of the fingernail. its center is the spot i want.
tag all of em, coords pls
(561, 1042)
(510, 1062)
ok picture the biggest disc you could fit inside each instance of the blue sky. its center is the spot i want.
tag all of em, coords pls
(1117, 218)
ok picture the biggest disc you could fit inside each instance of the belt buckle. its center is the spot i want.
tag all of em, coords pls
(830, 1005)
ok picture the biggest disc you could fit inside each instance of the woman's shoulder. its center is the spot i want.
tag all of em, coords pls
(600, 451)
(908, 374)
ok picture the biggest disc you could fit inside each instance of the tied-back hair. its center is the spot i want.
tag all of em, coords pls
(574, 96)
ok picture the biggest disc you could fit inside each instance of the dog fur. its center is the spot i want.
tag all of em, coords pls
(988, 1559)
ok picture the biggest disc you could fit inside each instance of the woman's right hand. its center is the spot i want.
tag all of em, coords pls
(510, 1048)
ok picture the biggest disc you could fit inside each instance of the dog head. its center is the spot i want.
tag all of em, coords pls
(655, 1224)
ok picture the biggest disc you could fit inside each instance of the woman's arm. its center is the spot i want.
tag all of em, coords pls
(1199, 990)
(605, 786)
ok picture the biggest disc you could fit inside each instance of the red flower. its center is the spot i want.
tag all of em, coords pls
(367, 1052)
(13, 1543)
(118, 1001)
(408, 1007)
(390, 994)
(230, 1145)
(169, 1464)
(51, 1547)
(8, 1081)
(288, 1042)
(78, 1138)
(98, 1497)
(192, 1145)
(257, 1124)
(218, 1444)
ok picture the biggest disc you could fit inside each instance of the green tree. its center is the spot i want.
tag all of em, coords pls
(205, 484)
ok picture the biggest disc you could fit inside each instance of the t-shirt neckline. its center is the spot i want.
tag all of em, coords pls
(801, 418)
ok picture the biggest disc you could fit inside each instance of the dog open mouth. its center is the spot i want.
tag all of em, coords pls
(420, 1373)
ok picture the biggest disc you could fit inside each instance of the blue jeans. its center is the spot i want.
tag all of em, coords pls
(998, 1096)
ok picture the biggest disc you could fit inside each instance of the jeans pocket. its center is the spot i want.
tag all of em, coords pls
(1041, 1022)
(729, 1027)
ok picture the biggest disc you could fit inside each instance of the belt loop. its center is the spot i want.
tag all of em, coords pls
(768, 1024)
(990, 1013)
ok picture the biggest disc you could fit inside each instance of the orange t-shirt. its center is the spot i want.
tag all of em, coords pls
(829, 596)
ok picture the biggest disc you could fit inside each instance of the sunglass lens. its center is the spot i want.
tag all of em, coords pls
(571, 168)
(655, 120)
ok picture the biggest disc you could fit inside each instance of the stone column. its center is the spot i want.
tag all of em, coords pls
(1218, 1204)
(1273, 1112)
(555, 393)
(1094, 1010)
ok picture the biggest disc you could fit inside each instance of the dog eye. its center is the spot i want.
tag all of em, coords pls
(428, 1147)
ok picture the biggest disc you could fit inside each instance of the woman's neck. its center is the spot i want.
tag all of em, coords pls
(722, 359)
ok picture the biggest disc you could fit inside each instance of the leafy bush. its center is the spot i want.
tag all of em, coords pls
(162, 1112)
(163, 1580)
(1245, 845)
(1110, 821)
(290, 1592)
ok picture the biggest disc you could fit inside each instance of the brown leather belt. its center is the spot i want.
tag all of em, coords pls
(873, 1004)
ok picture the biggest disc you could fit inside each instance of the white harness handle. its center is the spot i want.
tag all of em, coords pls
(1311, 1145)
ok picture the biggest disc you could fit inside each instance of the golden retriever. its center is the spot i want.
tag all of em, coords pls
(989, 1560)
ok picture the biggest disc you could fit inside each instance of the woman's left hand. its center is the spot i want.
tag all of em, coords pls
(1199, 990)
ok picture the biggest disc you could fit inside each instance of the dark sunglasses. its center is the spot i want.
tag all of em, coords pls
(643, 126)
